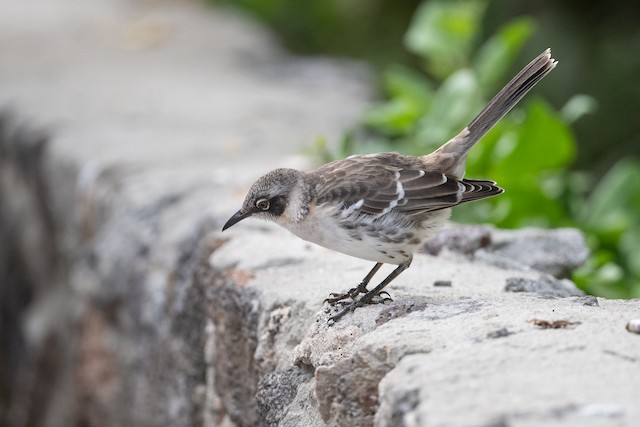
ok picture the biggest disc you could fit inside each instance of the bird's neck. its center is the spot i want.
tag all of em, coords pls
(299, 199)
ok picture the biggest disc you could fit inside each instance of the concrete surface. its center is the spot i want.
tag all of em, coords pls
(137, 126)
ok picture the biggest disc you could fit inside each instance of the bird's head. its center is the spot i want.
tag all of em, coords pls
(270, 196)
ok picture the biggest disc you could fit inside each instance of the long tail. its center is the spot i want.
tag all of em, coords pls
(456, 148)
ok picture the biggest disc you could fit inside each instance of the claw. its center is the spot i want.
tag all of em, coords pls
(335, 298)
(379, 298)
(349, 306)
(387, 298)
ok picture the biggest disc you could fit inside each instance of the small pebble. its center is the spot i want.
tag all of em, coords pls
(442, 283)
(499, 333)
(588, 300)
(634, 326)
(555, 324)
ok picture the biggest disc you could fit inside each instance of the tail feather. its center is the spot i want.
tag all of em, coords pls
(450, 158)
(476, 189)
(510, 95)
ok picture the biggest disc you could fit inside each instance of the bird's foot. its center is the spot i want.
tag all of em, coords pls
(382, 298)
(368, 298)
(337, 298)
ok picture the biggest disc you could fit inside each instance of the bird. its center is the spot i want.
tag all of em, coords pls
(382, 207)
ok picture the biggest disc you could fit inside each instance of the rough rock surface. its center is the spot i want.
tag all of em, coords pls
(122, 304)
(558, 252)
(492, 349)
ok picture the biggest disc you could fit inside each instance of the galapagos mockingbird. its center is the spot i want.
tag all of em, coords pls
(382, 207)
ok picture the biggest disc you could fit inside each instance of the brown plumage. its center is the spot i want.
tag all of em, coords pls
(375, 178)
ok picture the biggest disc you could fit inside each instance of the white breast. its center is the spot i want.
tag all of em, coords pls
(387, 239)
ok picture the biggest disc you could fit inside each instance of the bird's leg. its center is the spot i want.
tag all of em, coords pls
(354, 292)
(368, 297)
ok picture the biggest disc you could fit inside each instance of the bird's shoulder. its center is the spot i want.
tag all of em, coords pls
(362, 175)
(372, 168)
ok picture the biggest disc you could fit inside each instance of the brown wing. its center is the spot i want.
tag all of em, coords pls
(377, 184)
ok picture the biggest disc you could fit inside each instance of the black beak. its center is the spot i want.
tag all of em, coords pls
(237, 217)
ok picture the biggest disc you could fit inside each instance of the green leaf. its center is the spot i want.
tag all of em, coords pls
(482, 158)
(394, 118)
(529, 204)
(411, 98)
(402, 82)
(578, 106)
(628, 246)
(543, 142)
(615, 202)
(443, 32)
(496, 56)
(454, 104)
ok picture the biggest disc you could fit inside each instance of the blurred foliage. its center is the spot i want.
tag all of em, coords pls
(337, 27)
(596, 41)
(529, 153)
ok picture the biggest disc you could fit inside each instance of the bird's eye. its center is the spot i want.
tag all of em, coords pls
(263, 204)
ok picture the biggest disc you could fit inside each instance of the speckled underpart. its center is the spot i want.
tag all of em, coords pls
(390, 238)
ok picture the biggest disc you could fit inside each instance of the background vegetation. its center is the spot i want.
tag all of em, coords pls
(567, 156)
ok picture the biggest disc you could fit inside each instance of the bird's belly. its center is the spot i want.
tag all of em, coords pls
(386, 240)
